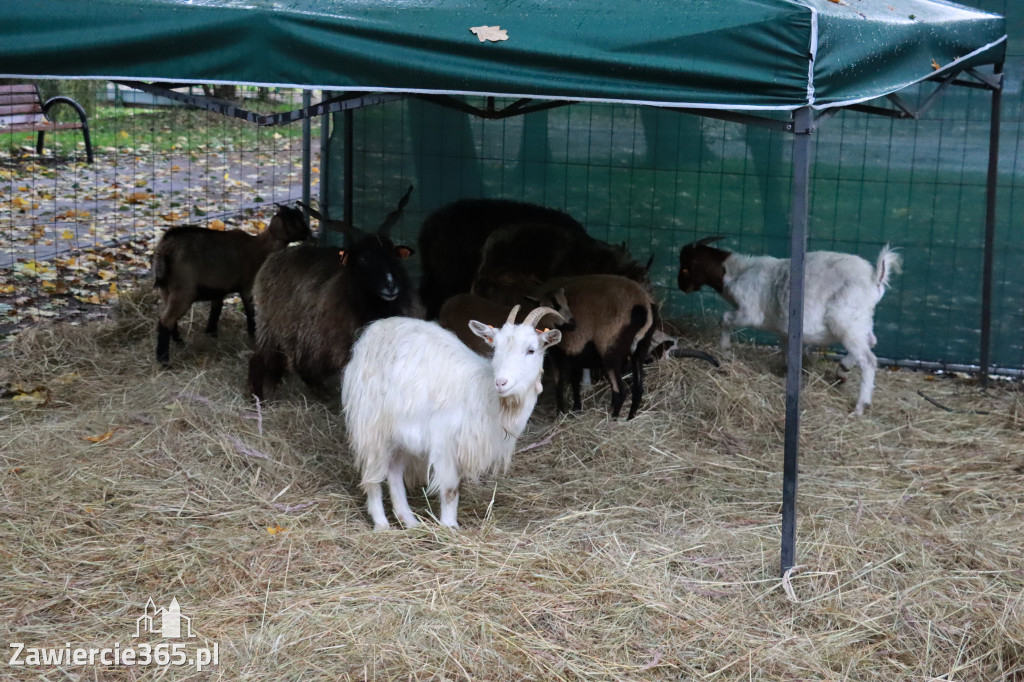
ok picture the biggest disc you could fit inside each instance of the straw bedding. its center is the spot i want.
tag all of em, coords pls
(633, 550)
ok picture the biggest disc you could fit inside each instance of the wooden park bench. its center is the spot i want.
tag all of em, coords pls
(22, 110)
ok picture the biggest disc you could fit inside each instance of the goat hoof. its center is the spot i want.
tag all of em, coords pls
(378, 527)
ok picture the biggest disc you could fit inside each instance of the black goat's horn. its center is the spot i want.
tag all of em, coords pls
(341, 226)
(393, 217)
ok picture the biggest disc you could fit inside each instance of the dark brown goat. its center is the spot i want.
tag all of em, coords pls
(452, 239)
(534, 251)
(192, 263)
(313, 300)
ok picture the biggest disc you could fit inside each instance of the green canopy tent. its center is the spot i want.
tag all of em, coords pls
(743, 60)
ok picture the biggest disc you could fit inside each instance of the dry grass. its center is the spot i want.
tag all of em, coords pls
(612, 550)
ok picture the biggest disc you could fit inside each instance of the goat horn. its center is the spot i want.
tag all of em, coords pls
(708, 240)
(512, 315)
(329, 223)
(393, 217)
(537, 313)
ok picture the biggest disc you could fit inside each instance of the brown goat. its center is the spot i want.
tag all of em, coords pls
(615, 319)
(458, 310)
(192, 263)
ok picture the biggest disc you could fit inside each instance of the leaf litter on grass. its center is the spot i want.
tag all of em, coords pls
(73, 234)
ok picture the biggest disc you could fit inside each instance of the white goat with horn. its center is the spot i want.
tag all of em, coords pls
(421, 406)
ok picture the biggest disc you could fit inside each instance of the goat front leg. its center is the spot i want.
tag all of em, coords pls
(446, 480)
(375, 505)
(727, 325)
(399, 502)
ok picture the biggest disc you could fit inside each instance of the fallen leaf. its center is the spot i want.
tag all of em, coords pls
(217, 224)
(100, 438)
(274, 530)
(936, 65)
(38, 396)
(138, 197)
(496, 33)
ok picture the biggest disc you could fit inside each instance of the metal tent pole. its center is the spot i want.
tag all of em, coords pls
(990, 226)
(803, 126)
(349, 166)
(325, 166)
(307, 99)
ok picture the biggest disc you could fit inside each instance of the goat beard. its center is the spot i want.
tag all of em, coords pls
(510, 407)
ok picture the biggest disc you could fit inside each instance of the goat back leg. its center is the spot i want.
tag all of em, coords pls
(176, 335)
(375, 505)
(163, 343)
(560, 364)
(638, 383)
(618, 391)
(175, 305)
(868, 364)
(636, 360)
(396, 488)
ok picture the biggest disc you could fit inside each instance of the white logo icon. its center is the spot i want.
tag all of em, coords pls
(165, 622)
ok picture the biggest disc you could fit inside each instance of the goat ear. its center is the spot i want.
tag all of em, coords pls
(343, 257)
(550, 338)
(484, 331)
(403, 252)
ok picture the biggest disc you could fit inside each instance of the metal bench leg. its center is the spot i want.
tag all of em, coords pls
(81, 116)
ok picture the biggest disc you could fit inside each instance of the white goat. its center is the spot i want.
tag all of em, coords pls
(419, 404)
(840, 294)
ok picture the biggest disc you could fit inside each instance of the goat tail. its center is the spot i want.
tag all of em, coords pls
(889, 263)
(161, 268)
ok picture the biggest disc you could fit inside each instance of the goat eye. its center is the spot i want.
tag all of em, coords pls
(530, 351)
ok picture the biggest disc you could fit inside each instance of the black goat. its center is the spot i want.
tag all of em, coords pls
(452, 240)
(313, 300)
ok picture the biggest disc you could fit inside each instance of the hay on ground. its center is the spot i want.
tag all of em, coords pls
(636, 550)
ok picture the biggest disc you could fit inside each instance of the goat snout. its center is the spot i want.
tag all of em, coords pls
(389, 291)
(502, 384)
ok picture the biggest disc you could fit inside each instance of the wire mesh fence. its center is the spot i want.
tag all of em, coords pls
(73, 234)
(656, 179)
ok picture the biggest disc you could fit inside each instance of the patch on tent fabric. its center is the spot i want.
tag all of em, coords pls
(492, 33)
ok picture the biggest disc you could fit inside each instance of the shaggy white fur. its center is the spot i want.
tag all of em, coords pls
(840, 294)
(419, 404)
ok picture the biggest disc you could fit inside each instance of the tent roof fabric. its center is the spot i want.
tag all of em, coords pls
(732, 54)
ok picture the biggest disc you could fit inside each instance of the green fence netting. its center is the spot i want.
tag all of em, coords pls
(658, 178)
